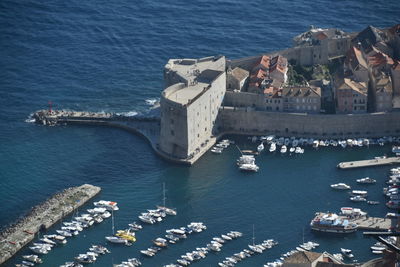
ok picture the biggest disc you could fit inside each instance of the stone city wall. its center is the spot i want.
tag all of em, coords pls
(249, 121)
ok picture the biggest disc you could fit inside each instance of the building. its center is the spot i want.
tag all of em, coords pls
(351, 96)
(319, 46)
(189, 105)
(356, 66)
(301, 99)
(278, 68)
(236, 79)
(313, 259)
(383, 93)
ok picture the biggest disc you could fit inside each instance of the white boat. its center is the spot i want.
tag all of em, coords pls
(358, 199)
(246, 159)
(260, 147)
(272, 148)
(315, 144)
(216, 150)
(147, 219)
(283, 149)
(33, 258)
(352, 211)
(396, 149)
(361, 193)
(292, 149)
(371, 202)
(366, 180)
(347, 253)
(340, 186)
(109, 205)
(116, 240)
(163, 208)
(249, 167)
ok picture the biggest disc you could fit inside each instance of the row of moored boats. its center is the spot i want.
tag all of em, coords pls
(247, 253)
(172, 236)
(201, 252)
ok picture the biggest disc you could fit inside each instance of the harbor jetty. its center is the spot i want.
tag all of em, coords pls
(369, 163)
(43, 216)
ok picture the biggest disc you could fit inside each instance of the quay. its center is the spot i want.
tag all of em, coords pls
(372, 223)
(43, 216)
(369, 163)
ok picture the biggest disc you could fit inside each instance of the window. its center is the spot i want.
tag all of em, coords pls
(172, 132)
(355, 101)
(172, 121)
(205, 129)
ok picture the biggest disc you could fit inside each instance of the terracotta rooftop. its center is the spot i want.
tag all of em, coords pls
(260, 74)
(346, 83)
(262, 62)
(378, 58)
(302, 257)
(354, 58)
(278, 63)
(332, 264)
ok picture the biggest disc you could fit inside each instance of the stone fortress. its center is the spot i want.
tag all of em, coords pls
(208, 97)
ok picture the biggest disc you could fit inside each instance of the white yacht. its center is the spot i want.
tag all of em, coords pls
(341, 186)
(366, 180)
(109, 205)
(216, 150)
(315, 144)
(292, 149)
(260, 147)
(283, 149)
(248, 167)
(116, 239)
(358, 199)
(272, 148)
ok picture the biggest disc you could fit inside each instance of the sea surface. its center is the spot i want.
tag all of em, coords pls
(109, 56)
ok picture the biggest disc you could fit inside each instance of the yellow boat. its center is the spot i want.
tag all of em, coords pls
(126, 235)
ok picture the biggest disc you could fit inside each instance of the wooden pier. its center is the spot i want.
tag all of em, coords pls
(369, 163)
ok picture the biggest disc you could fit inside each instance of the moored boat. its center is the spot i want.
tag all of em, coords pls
(330, 222)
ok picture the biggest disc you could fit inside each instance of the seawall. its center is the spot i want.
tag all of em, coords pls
(43, 216)
(249, 121)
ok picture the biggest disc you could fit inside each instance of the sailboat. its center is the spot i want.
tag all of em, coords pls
(254, 247)
(115, 239)
(168, 211)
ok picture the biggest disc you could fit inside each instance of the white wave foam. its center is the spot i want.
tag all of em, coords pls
(30, 119)
(151, 101)
(128, 113)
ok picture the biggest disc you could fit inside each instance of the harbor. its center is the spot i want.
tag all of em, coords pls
(42, 217)
(381, 161)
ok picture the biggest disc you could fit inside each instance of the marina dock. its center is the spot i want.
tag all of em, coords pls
(369, 163)
(43, 216)
(372, 223)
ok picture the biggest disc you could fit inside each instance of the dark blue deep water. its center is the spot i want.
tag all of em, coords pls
(109, 55)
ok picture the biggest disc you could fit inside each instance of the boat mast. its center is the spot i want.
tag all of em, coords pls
(112, 220)
(253, 235)
(239, 149)
(163, 194)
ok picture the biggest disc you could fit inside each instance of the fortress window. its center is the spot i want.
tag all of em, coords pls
(205, 129)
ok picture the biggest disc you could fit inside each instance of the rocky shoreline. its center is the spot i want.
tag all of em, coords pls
(43, 216)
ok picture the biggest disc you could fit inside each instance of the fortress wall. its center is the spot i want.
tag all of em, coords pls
(245, 121)
(243, 99)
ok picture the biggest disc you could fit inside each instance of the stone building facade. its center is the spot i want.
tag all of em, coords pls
(351, 96)
(189, 104)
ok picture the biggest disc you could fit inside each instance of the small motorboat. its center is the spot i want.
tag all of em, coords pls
(358, 199)
(366, 180)
(340, 186)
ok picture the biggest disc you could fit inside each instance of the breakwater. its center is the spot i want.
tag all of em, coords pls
(43, 216)
(369, 163)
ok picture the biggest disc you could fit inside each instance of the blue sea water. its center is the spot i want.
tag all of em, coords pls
(104, 55)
